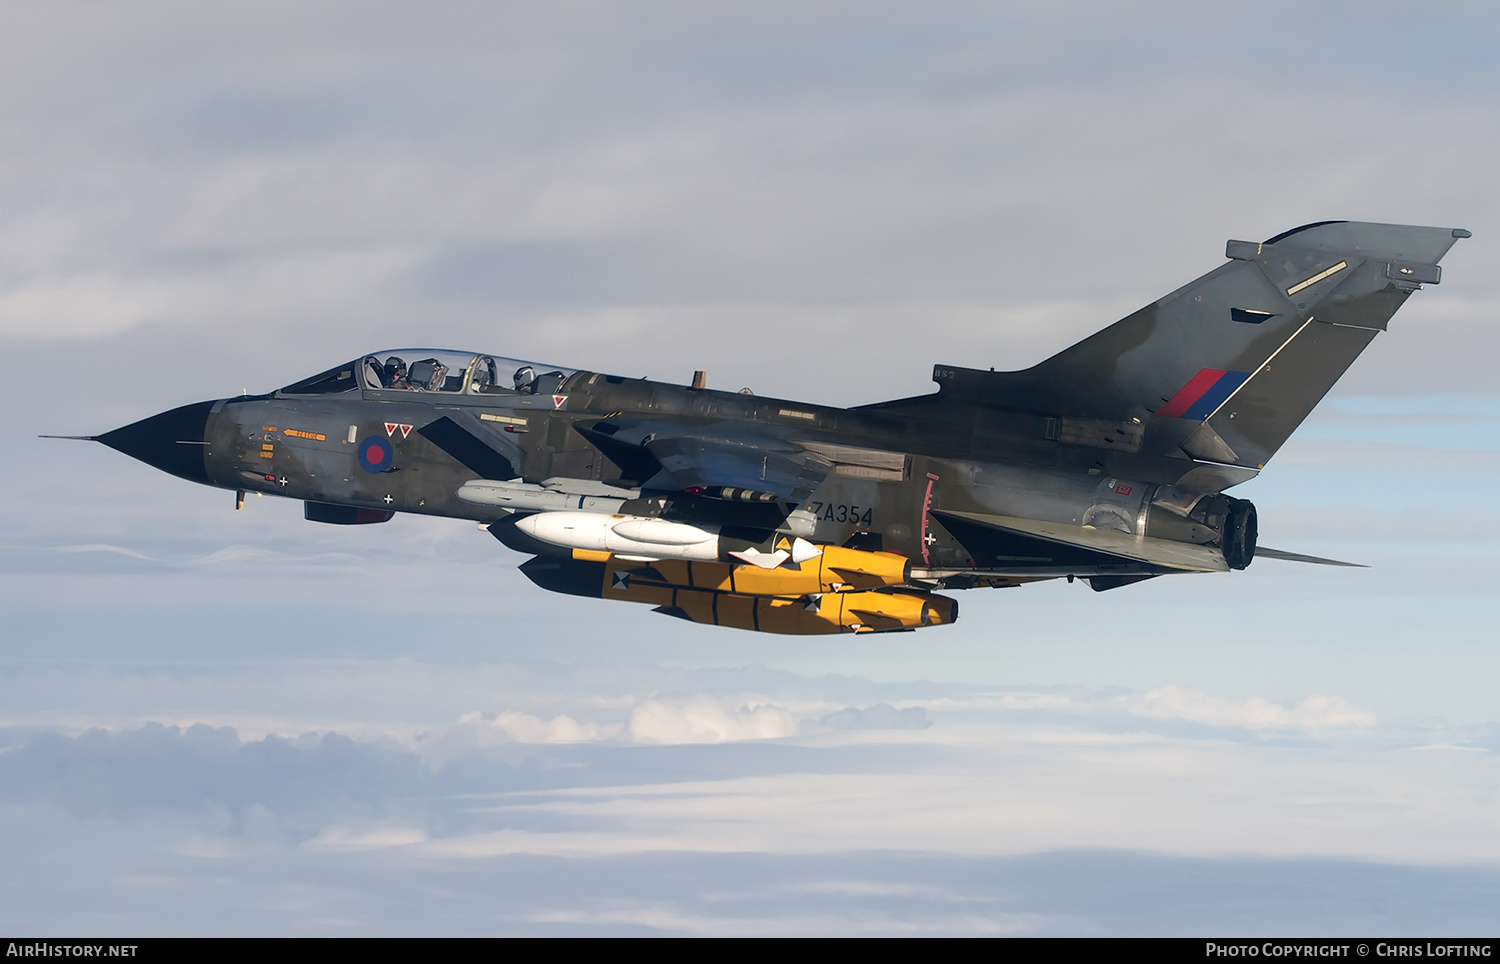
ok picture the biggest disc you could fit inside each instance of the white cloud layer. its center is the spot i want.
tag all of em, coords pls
(1313, 713)
(631, 773)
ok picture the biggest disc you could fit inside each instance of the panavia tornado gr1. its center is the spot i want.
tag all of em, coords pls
(1107, 462)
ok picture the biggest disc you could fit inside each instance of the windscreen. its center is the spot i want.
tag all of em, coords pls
(430, 370)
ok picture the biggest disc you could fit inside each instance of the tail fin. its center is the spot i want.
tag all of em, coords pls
(1225, 368)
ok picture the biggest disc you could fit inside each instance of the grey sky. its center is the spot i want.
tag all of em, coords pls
(820, 203)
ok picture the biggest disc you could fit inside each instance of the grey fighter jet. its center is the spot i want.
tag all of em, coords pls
(1107, 462)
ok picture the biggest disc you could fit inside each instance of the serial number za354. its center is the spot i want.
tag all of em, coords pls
(838, 512)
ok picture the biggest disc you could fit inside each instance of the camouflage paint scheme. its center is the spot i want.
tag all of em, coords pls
(1106, 462)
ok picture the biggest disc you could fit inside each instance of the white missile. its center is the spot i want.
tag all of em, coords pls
(624, 535)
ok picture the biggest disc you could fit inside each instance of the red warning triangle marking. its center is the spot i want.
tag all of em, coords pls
(557, 400)
(390, 429)
(405, 430)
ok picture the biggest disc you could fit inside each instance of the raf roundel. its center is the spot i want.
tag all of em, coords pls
(375, 454)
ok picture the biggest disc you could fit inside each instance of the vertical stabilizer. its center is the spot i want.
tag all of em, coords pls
(1225, 368)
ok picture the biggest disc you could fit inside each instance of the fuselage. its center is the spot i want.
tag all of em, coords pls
(357, 444)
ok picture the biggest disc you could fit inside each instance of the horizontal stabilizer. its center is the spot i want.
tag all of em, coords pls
(1163, 553)
(1261, 552)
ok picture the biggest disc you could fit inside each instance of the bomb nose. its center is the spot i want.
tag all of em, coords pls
(174, 441)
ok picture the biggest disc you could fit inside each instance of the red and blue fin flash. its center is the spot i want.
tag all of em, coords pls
(1203, 393)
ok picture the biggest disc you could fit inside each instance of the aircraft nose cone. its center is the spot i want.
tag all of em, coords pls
(172, 441)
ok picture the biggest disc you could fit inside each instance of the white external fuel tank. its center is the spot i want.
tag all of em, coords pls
(623, 535)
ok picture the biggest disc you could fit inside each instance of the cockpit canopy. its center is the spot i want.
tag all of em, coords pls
(435, 370)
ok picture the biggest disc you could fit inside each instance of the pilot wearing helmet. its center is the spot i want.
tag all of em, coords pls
(393, 373)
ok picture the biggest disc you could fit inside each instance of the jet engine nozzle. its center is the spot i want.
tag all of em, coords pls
(1239, 532)
(1235, 522)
